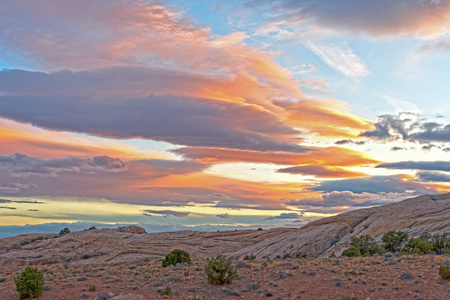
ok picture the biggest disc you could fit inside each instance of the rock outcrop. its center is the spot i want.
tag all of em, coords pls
(428, 213)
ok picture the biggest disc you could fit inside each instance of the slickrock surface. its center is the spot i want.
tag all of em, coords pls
(322, 237)
(111, 246)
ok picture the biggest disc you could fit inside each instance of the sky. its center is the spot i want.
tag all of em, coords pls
(212, 115)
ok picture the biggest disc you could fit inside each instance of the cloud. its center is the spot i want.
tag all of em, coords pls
(283, 216)
(346, 199)
(327, 156)
(418, 165)
(339, 57)
(21, 201)
(438, 47)
(24, 165)
(322, 171)
(433, 176)
(380, 184)
(346, 142)
(7, 207)
(408, 127)
(422, 19)
(223, 216)
(165, 213)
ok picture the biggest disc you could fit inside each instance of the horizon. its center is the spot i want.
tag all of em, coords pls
(178, 115)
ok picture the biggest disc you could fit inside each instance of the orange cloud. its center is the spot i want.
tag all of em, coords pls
(329, 156)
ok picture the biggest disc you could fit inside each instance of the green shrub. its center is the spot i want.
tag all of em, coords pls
(287, 255)
(92, 288)
(30, 283)
(393, 241)
(64, 231)
(363, 246)
(421, 245)
(92, 228)
(441, 243)
(251, 257)
(300, 255)
(176, 256)
(444, 271)
(219, 270)
(166, 291)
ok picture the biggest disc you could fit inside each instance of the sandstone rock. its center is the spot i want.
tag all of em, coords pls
(132, 229)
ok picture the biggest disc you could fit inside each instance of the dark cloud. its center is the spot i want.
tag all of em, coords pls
(375, 185)
(418, 165)
(223, 216)
(165, 213)
(283, 216)
(346, 142)
(395, 148)
(433, 176)
(23, 165)
(345, 198)
(179, 120)
(7, 207)
(21, 201)
(408, 127)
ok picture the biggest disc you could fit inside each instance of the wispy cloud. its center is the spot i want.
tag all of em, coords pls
(340, 57)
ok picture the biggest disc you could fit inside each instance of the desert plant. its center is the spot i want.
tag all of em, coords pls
(30, 283)
(393, 240)
(421, 245)
(219, 270)
(251, 257)
(64, 231)
(92, 228)
(444, 271)
(166, 291)
(287, 255)
(92, 288)
(441, 243)
(300, 255)
(176, 256)
(363, 246)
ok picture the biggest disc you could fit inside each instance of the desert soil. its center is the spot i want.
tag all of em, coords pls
(381, 277)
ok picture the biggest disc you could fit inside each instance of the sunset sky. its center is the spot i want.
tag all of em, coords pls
(219, 114)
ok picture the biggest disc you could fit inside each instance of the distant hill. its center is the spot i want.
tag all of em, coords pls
(320, 238)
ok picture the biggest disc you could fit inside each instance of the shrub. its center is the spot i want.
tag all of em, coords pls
(444, 271)
(300, 255)
(219, 270)
(64, 231)
(363, 246)
(30, 283)
(166, 291)
(92, 288)
(251, 257)
(287, 255)
(176, 256)
(421, 245)
(393, 241)
(92, 228)
(441, 243)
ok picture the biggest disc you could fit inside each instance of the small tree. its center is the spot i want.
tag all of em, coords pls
(219, 270)
(394, 240)
(176, 256)
(64, 231)
(365, 245)
(421, 245)
(30, 283)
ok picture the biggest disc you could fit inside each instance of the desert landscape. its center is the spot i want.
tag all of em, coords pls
(125, 263)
